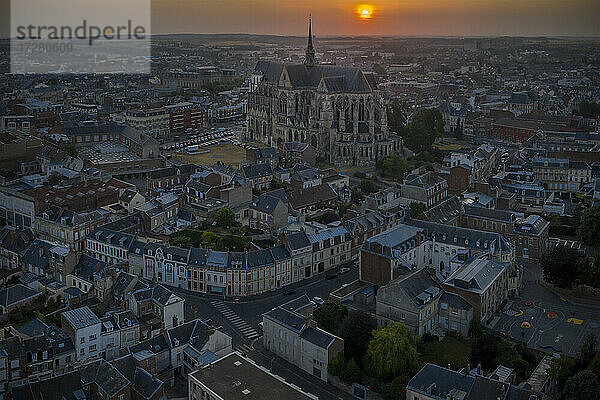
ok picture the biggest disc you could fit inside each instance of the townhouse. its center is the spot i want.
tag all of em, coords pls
(291, 334)
(165, 179)
(269, 211)
(156, 306)
(84, 328)
(428, 188)
(108, 245)
(13, 243)
(260, 175)
(67, 227)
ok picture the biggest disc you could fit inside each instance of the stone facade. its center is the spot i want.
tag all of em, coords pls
(337, 110)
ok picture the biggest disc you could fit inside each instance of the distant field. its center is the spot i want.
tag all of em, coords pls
(225, 152)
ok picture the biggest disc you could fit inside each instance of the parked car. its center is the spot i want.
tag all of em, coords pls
(344, 270)
(318, 300)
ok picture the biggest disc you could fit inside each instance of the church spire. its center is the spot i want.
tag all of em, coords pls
(310, 51)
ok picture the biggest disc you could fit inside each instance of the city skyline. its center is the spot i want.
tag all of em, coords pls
(386, 18)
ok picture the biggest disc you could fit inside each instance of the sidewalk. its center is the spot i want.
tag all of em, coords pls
(567, 295)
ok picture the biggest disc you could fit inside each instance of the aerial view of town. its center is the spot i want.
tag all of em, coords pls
(300, 200)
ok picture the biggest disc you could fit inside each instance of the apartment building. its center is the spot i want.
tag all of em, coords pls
(483, 283)
(155, 122)
(561, 174)
(16, 208)
(428, 188)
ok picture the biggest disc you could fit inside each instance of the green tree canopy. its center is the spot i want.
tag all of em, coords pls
(588, 273)
(587, 351)
(417, 209)
(392, 353)
(589, 227)
(357, 330)
(426, 126)
(71, 150)
(225, 218)
(561, 369)
(367, 186)
(484, 350)
(211, 241)
(560, 265)
(582, 385)
(330, 315)
(392, 167)
(397, 112)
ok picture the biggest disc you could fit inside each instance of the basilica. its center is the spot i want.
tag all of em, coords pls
(338, 110)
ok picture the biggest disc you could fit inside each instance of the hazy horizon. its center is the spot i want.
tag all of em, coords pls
(396, 18)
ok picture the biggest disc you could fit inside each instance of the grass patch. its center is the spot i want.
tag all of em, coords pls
(450, 350)
(226, 153)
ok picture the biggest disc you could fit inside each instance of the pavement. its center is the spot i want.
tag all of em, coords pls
(240, 319)
(544, 320)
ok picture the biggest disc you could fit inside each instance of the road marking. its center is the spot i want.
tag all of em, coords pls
(575, 321)
(235, 319)
(518, 314)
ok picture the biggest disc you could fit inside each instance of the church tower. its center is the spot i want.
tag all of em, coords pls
(310, 60)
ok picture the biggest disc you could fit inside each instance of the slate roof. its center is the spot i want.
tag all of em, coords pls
(16, 240)
(455, 301)
(417, 287)
(87, 266)
(464, 237)
(81, 317)
(34, 327)
(157, 293)
(476, 275)
(444, 213)
(172, 171)
(488, 213)
(366, 222)
(155, 345)
(265, 153)
(111, 237)
(62, 387)
(298, 240)
(254, 171)
(267, 202)
(312, 195)
(37, 254)
(103, 374)
(15, 294)
(279, 253)
(338, 79)
(532, 225)
(317, 336)
(141, 381)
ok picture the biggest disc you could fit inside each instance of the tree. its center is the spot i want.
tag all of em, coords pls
(357, 330)
(392, 353)
(559, 266)
(484, 350)
(55, 178)
(475, 329)
(330, 315)
(337, 365)
(582, 385)
(587, 351)
(589, 227)
(352, 372)
(367, 186)
(588, 273)
(71, 150)
(521, 367)
(589, 109)
(417, 209)
(594, 365)
(426, 126)
(225, 218)
(211, 241)
(457, 133)
(392, 167)
(397, 389)
(561, 369)
(397, 112)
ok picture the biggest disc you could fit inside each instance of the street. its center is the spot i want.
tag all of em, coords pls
(240, 320)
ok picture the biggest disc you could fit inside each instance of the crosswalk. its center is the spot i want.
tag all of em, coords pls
(239, 323)
(244, 349)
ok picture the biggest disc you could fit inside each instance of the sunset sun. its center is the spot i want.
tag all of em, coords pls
(364, 12)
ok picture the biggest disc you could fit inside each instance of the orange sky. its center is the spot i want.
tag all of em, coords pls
(390, 17)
